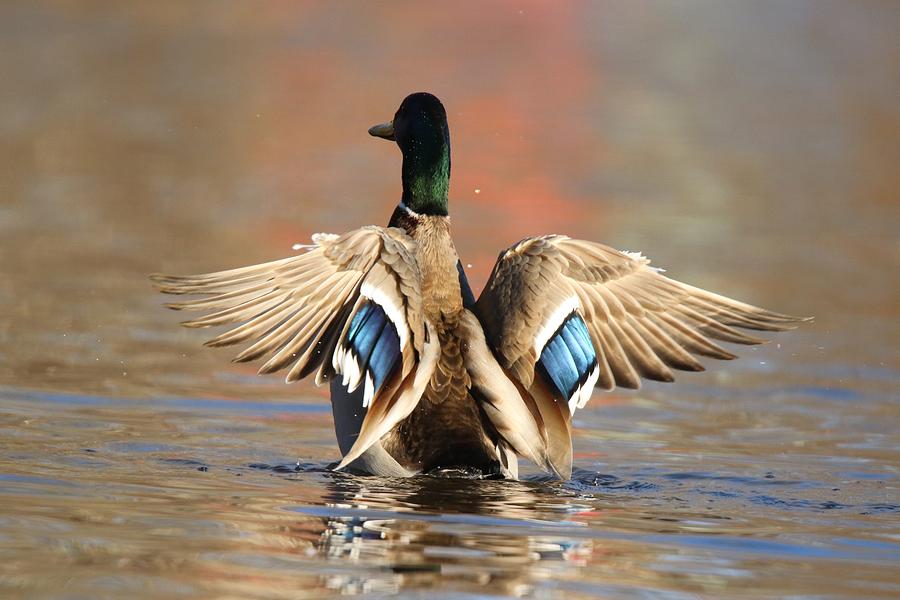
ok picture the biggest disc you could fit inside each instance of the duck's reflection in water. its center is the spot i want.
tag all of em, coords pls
(429, 531)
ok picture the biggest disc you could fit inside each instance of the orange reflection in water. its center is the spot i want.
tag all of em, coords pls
(518, 76)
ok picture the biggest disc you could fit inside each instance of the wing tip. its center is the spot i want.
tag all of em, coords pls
(168, 284)
(193, 323)
(242, 357)
(560, 466)
(785, 318)
(169, 288)
(629, 384)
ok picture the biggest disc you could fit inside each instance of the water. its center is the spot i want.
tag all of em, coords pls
(749, 148)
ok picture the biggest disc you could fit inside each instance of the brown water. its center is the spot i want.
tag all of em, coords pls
(749, 147)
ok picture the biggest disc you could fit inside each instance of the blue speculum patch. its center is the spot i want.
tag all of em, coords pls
(568, 357)
(375, 342)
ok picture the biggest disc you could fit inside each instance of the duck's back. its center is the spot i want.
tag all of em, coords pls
(447, 428)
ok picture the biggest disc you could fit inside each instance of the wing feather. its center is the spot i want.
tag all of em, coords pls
(690, 339)
(642, 323)
(240, 312)
(639, 353)
(296, 313)
(545, 292)
(624, 373)
(663, 346)
(264, 321)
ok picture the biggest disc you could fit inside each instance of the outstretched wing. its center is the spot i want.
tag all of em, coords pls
(349, 307)
(582, 314)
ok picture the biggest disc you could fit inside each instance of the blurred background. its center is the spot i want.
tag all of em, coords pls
(748, 147)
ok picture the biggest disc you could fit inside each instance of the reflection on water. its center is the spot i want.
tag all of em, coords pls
(477, 533)
(746, 148)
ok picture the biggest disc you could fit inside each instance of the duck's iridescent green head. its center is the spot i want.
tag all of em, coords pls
(420, 129)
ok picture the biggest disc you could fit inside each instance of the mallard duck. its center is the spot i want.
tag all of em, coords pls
(425, 376)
